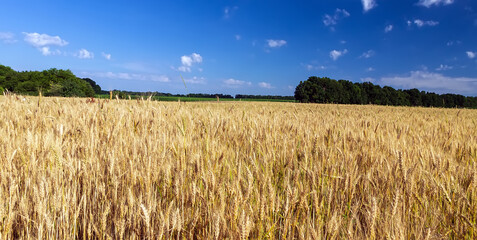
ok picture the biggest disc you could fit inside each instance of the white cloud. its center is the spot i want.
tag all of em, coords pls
(388, 28)
(234, 83)
(238, 37)
(429, 3)
(41, 40)
(188, 61)
(367, 54)
(184, 69)
(85, 54)
(421, 23)
(265, 85)
(368, 4)
(443, 67)
(471, 54)
(435, 82)
(276, 43)
(370, 69)
(44, 42)
(107, 56)
(335, 54)
(7, 37)
(45, 51)
(331, 20)
(128, 76)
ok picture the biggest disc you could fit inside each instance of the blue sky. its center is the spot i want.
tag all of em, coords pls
(246, 46)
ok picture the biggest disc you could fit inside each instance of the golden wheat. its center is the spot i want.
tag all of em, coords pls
(144, 169)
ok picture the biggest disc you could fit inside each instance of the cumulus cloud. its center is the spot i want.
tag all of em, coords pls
(429, 3)
(420, 23)
(45, 51)
(435, 82)
(85, 54)
(44, 42)
(188, 60)
(471, 54)
(7, 37)
(265, 85)
(41, 40)
(368, 4)
(128, 76)
(276, 43)
(335, 54)
(332, 20)
(234, 83)
(388, 28)
(368, 54)
(107, 56)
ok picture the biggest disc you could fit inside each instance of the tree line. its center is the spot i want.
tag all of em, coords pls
(133, 94)
(52, 82)
(326, 90)
(125, 94)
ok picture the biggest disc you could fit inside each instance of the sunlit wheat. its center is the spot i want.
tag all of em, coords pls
(72, 169)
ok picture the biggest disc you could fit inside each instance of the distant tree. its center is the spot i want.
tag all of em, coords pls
(326, 90)
(27, 87)
(414, 97)
(52, 82)
(96, 87)
(71, 88)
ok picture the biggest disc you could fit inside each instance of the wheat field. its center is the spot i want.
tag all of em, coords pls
(237, 170)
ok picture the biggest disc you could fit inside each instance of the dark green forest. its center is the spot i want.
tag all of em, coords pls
(52, 82)
(326, 90)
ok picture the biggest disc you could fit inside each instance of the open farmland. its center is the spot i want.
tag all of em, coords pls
(140, 169)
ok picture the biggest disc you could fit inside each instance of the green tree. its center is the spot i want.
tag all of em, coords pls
(96, 87)
(52, 82)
